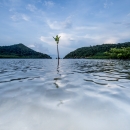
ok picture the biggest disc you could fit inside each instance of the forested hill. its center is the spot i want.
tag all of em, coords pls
(94, 51)
(20, 51)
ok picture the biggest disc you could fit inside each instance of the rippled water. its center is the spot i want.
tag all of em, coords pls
(76, 95)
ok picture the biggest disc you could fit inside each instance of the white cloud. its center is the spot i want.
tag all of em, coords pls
(24, 17)
(39, 47)
(53, 25)
(128, 14)
(103, 38)
(88, 35)
(31, 7)
(117, 23)
(12, 9)
(48, 3)
(107, 4)
(31, 46)
(39, 1)
(96, 37)
(109, 37)
(111, 40)
(67, 24)
(14, 1)
(48, 40)
(14, 17)
(86, 28)
(18, 17)
(65, 39)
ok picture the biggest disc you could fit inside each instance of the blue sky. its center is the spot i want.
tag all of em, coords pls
(79, 23)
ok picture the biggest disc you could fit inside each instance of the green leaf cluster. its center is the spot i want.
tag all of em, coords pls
(57, 38)
(116, 53)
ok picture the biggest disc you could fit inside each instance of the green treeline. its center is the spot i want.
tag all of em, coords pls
(20, 51)
(116, 53)
(97, 51)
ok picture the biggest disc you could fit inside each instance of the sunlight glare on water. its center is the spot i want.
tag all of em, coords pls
(76, 95)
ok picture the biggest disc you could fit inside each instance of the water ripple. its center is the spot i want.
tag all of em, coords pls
(77, 94)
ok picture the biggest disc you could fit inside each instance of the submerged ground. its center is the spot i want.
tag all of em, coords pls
(76, 95)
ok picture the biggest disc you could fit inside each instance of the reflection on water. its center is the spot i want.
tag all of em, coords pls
(76, 95)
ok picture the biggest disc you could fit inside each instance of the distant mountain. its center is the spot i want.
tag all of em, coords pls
(94, 51)
(20, 51)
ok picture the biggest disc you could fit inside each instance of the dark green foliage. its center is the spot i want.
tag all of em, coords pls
(94, 51)
(20, 51)
(116, 53)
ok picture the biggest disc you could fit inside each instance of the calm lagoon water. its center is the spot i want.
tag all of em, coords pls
(76, 95)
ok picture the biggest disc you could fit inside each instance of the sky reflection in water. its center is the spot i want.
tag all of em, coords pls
(78, 95)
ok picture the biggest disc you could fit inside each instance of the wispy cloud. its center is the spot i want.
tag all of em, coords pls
(111, 40)
(18, 17)
(31, 7)
(65, 39)
(124, 23)
(12, 9)
(48, 40)
(31, 46)
(25, 17)
(39, 47)
(107, 4)
(0, 4)
(117, 23)
(128, 14)
(86, 28)
(56, 25)
(14, 17)
(127, 24)
(48, 3)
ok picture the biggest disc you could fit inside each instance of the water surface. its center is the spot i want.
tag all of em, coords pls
(76, 95)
